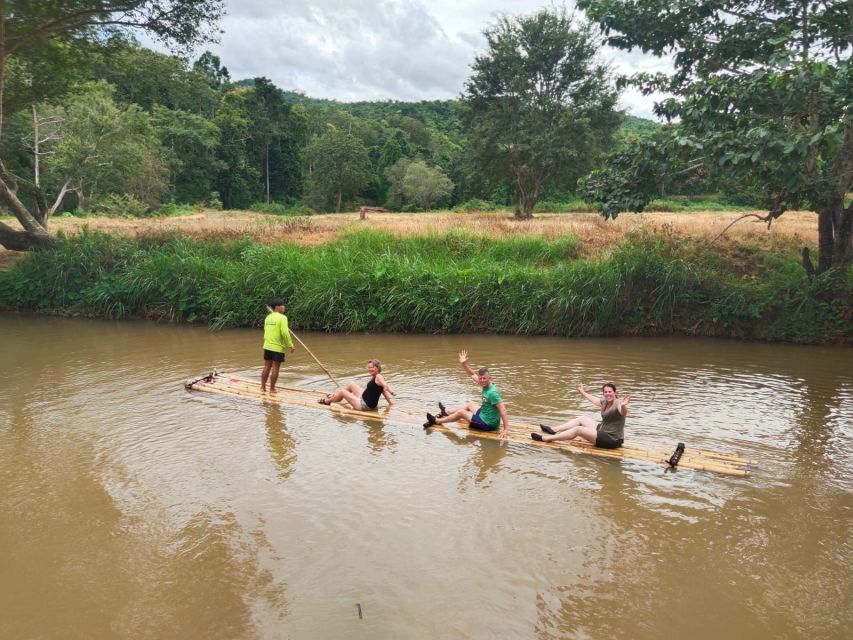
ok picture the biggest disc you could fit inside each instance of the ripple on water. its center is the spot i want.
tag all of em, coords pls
(227, 496)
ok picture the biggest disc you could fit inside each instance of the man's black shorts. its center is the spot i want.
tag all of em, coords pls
(275, 356)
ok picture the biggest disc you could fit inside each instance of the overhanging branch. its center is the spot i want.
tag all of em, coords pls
(768, 219)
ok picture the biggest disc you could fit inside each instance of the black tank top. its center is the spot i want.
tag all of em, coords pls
(371, 394)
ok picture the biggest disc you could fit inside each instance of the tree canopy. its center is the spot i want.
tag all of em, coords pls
(338, 166)
(178, 132)
(538, 107)
(762, 93)
(44, 31)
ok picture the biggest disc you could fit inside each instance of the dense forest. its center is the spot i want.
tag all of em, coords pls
(133, 130)
(758, 113)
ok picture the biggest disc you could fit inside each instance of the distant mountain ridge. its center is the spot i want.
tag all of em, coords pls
(438, 114)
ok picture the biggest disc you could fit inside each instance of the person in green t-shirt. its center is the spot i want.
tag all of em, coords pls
(489, 416)
(276, 339)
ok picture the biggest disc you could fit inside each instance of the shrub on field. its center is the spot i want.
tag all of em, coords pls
(472, 205)
(213, 201)
(121, 205)
(173, 209)
(280, 209)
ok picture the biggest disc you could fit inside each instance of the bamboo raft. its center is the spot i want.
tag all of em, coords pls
(219, 382)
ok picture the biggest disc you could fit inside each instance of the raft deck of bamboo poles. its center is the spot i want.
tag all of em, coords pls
(692, 458)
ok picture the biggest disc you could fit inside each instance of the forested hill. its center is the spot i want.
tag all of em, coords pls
(639, 125)
(439, 115)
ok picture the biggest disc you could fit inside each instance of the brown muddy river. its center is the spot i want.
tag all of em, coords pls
(132, 508)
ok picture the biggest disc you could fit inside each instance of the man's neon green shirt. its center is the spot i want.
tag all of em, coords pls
(276, 333)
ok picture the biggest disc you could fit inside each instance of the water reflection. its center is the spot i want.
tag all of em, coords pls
(484, 457)
(281, 444)
(379, 438)
(143, 510)
(215, 550)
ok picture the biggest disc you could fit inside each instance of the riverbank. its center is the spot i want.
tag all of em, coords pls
(650, 281)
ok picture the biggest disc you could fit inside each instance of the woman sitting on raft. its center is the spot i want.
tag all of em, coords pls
(607, 434)
(365, 399)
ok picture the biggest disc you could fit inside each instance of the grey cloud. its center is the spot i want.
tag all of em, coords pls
(376, 49)
(360, 50)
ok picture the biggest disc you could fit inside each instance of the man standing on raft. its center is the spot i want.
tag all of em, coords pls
(276, 338)
(488, 417)
(607, 434)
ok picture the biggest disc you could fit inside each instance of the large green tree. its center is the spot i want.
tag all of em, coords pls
(238, 180)
(538, 107)
(338, 167)
(189, 143)
(100, 147)
(275, 131)
(29, 27)
(425, 185)
(146, 78)
(762, 102)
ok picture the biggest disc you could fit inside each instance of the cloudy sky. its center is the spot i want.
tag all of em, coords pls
(377, 49)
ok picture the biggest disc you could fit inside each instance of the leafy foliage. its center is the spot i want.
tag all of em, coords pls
(40, 33)
(338, 167)
(538, 108)
(653, 283)
(762, 94)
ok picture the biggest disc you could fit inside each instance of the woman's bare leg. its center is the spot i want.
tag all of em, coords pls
(353, 398)
(341, 394)
(581, 421)
(586, 432)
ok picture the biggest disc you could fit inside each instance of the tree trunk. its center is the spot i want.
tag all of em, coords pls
(824, 239)
(25, 240)
(835, 234)
(80, 198)
(338, 201)
(267, 170)
(528, 187)
(843, 249)
(35, 147)
(3, 56)
(529, 203)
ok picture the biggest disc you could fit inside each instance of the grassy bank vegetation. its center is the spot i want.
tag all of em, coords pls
(652, 283)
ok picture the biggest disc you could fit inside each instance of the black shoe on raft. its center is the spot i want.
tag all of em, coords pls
(430, 421)
(442, 412)
(547, 429)
(537, 437)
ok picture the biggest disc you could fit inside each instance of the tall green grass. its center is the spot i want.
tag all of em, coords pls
(454, 282)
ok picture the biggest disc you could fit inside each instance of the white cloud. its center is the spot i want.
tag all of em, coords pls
(377, 49)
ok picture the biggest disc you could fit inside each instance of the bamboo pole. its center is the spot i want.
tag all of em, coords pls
(316, 359)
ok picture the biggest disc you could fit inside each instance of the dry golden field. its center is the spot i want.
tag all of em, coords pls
(596, 234)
